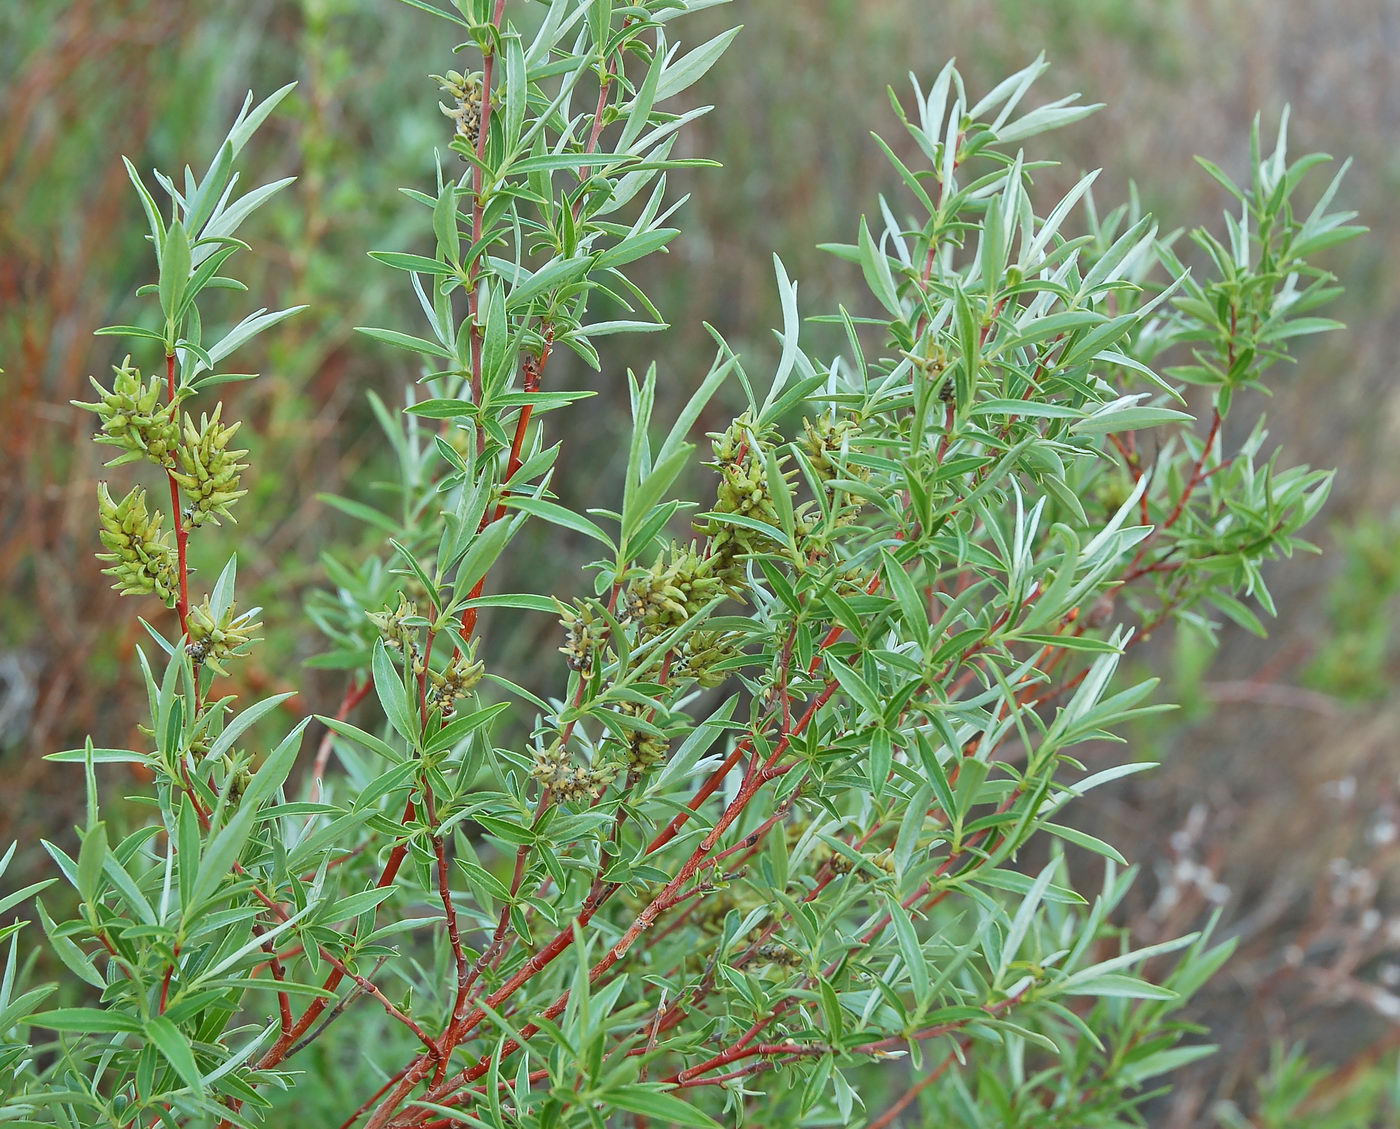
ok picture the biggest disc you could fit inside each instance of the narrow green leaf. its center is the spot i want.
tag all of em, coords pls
(174, 270)
(85, 1019)
(171, 1043)
(405, 341)
(693, 66)
(559, 515)
(393, 696)
(420, 263)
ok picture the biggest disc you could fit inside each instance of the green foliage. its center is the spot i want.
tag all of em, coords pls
(787, 825)
(142, 559)
(1355, 655)
(1295, 1093)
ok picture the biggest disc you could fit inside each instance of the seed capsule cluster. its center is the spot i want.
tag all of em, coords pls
(777, 954)
(744, 490)
(456, 681)
(136, 417)
(710, 914)
(393, 626)
(641, 751)
(215, 638)
(555, 769)
(399, 627)
(142, 560)
(703, 652)
(842, 864)
(678, 585)
(209, 471)
(683, 580)
(585, 631)
(465, 110)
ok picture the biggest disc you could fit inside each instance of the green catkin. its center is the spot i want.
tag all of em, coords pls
(465, 110)
(143, 561)
(216, 638)
(555, 769)
(136, 417)
(744, 490)
(677, 585)
(208, 471)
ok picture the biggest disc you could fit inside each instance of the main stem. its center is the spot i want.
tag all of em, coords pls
(182, 535)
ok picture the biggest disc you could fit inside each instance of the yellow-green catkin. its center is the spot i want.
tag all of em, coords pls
(143, 561)
(465, 110)
(702, 653)
(555, 769)
(208, 471)
(641, 751)
(676, 586)
(216, 638)
(136, 417)
(744, 490)
(585, 631)
(454, 682)
(826, 441)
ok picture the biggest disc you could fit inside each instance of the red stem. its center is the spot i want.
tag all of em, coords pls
(182, 535)
(1197, 474)
(915, 1090)
(165, 981)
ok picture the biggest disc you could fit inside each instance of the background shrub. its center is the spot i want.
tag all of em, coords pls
(270, 563)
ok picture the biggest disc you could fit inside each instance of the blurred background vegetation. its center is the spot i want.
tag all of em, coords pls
(1279, 796)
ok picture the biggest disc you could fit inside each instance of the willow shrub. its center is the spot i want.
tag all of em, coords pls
(785, 842)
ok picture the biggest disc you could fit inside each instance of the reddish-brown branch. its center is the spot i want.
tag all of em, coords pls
(585, 171)
(165, 980)
(670, 895)
(374, 1097)
(284, 1001)
(1197, 472)
(837, 630)
(278, 1050)
(488, 68)
(354, 695)
(533, 368)
(341, 972)
(449, 907)
(717, 777)
(182, 535)
(887, 1118)
(780, 1052)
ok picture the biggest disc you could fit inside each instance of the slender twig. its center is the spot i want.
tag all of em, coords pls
(918, 1088)
(334, 1013)
(182, 534)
